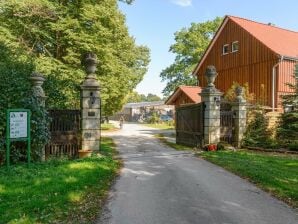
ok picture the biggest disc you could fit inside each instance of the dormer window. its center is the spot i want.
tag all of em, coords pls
(225, 49)
(235, 46)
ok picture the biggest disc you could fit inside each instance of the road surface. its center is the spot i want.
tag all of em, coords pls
(161, 186)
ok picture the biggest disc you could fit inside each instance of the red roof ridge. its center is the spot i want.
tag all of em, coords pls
(265, 24)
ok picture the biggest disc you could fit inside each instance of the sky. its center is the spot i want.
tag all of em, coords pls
(154, 22)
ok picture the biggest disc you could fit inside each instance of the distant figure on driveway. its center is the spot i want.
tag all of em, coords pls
(121, 121)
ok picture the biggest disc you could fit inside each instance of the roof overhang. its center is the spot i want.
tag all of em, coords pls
(174, 95)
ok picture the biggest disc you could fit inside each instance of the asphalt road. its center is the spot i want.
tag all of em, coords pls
(161, 186)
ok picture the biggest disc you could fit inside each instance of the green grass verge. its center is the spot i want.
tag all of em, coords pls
(163, 126)
(173, 145)
(108, 127)
(58, 191)
(275, 173)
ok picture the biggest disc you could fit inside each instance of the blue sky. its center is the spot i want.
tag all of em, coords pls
(154, 22)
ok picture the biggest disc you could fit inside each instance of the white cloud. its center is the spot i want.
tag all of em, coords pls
(183, 3)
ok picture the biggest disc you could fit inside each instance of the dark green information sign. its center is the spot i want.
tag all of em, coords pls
(18, 129)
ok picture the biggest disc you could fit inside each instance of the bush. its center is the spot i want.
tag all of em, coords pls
(14, 72)
(40, 133)
(257, 134)
(154, 118)
(287, 131)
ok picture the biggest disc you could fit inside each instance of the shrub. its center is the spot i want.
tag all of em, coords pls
(230, 95)
(287, 131)
(257, 134)
(40, 133)
(154, 118)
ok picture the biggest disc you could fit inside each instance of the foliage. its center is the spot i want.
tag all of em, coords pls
(273, 172)
(257, 133)
(230, 94)
(153, 118)
(40, 133)
(14, 70)
(190, 45)
(135, 97)
(287, 131)
(54, 34)
(57, 191)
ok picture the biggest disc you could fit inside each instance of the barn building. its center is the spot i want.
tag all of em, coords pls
(262, 55)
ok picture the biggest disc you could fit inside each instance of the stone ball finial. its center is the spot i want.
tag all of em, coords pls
(90, 62)
(211, 75)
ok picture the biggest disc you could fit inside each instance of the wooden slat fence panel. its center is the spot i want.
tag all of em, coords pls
(189, 125)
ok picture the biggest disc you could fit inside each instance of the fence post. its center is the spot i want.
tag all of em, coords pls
(37, 80)
(211, 99)
(239, 108)
(90, 108)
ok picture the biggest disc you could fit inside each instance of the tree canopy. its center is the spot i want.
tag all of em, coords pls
(51, 35)
(190, 45)
(135, 97)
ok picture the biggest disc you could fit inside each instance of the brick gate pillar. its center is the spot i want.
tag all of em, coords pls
(239, 108)
(90, 108)
(211, 99)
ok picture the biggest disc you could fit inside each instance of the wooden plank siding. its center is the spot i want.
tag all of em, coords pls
(252, 63)
(285, 75)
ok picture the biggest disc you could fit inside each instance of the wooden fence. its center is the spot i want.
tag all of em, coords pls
(190, 125)
(65, 133)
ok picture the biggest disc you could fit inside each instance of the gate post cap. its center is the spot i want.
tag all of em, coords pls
(90, 62)
(211, 75)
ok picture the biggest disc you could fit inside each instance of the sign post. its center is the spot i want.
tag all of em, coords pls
(18, 129)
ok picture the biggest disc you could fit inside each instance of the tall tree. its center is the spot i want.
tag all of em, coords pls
(55, 33)
(190, 46)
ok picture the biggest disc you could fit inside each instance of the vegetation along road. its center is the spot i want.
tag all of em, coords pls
(160, 185)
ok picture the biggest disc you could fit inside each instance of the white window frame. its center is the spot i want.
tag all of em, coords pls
(235, 42)
(223, 49)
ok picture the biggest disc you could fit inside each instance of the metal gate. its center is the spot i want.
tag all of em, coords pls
(65, 133)
(190, 125)
(226, 122)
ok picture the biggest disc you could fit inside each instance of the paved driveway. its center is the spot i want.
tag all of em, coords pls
(161, 186)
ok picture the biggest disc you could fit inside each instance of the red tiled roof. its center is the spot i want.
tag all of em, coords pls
(191, 91)
(281, 41)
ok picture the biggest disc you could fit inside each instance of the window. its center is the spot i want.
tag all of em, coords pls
(225, 49)
(235, 46)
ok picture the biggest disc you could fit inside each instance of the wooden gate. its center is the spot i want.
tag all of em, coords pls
(190, 125)
(65, 133)
(226, 122)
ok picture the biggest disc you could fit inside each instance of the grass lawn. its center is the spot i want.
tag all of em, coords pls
(163, 126)
(58, 191)
(275, 173)
(108, 127)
